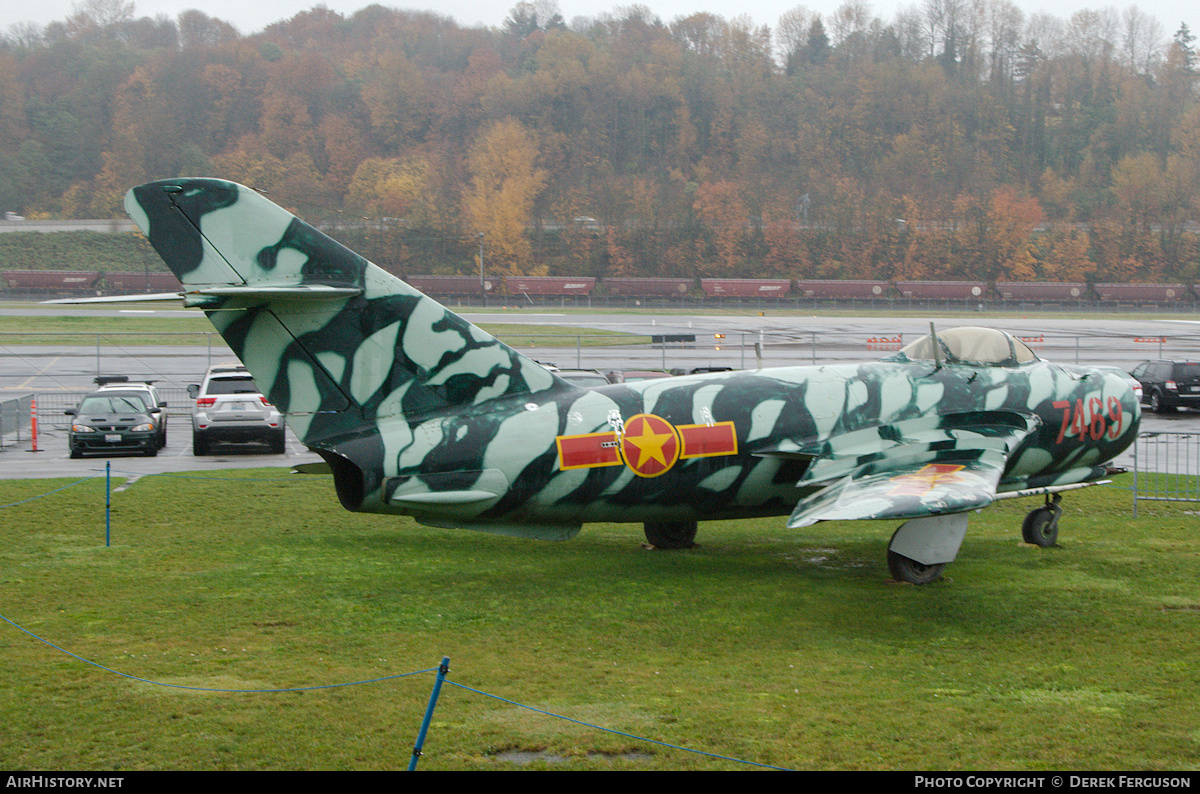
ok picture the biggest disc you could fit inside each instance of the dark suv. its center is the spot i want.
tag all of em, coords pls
(1168, 385)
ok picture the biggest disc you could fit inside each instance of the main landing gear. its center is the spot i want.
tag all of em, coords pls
(923, 547)
(904, 569)
(670, 534)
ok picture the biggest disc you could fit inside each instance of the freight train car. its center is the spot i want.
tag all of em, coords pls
(122, 283)
(943, 290)
(58, 282)
(1159, 294)
(549, 286)
(745, 287)
(452, 286)
(1043, 291)
(844, 290)
(648, 287)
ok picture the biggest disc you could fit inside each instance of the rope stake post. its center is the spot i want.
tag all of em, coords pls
(437, 688)
(107, 503)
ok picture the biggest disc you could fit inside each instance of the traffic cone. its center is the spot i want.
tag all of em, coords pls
(33, 422)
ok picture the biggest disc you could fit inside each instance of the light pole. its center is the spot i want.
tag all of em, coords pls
(482, 285)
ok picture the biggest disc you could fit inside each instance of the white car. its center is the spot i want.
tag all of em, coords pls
(156, 405)
(231, 408)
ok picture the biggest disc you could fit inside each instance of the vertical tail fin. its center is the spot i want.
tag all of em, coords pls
(331, 339)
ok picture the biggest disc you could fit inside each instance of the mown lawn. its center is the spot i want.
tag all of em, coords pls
(783, 648)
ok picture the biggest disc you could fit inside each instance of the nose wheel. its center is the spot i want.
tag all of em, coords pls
(1040, 527)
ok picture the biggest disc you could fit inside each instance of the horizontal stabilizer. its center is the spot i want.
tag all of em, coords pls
(152, 297)
(312, 468)
(271, 291)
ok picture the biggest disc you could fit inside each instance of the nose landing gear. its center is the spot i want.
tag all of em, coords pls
(1040, 527)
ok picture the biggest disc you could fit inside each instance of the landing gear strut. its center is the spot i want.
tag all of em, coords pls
(1040, 527)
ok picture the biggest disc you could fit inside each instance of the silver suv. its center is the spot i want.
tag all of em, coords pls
(229, 407)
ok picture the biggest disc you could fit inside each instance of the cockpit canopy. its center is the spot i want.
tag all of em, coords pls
(986, 347)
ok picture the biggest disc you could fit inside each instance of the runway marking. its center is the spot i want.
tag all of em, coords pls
(132, 478)
(40, 372)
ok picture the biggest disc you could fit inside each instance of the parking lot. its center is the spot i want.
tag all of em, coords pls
(18, 461)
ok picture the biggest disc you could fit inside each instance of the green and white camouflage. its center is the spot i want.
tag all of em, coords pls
(418, 412)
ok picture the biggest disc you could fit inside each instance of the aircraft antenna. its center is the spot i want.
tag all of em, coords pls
(937, 352)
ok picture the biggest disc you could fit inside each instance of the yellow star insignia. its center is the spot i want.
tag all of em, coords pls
(655, 442)
(650, 445)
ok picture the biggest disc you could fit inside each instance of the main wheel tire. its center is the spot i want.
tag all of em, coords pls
(199, 445)
(903, 569)
(279, 443)
(670, 534)
(1040, 527)
(1158, 405)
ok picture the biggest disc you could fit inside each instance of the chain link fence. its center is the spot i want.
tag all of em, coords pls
(15, 416)
(175, 359)
(1166, 468)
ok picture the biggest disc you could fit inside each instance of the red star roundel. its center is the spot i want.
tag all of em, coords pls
(649, 445)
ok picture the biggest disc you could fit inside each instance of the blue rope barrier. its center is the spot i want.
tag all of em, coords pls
(441, 670)
(210, 689)
(612, 731)
(178, 476)
(49, 493)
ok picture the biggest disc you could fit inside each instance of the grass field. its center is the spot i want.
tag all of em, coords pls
(785, 648)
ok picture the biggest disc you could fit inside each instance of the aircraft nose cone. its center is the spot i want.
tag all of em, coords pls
(1124, 407)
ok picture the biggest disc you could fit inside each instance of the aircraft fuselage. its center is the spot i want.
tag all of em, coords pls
(731, 444)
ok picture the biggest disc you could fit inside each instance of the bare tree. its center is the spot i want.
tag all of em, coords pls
(1142, 38)
(1005, 23)
(1093, 33)
(913, 34)
(792, 30)
(851, 17)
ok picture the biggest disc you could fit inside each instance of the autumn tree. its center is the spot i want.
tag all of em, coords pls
(720, 208)
(917, 142)
(393, 188)
(1067, 257)
(505, 182)
(1012, 254)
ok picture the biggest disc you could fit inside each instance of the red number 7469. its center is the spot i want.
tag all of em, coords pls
(1092, 421)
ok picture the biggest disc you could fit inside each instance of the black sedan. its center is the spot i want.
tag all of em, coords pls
(113, 421)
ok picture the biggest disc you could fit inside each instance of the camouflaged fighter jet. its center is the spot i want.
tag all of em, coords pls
(417, 412)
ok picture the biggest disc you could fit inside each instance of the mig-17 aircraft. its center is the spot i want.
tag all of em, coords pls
(418, 412)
